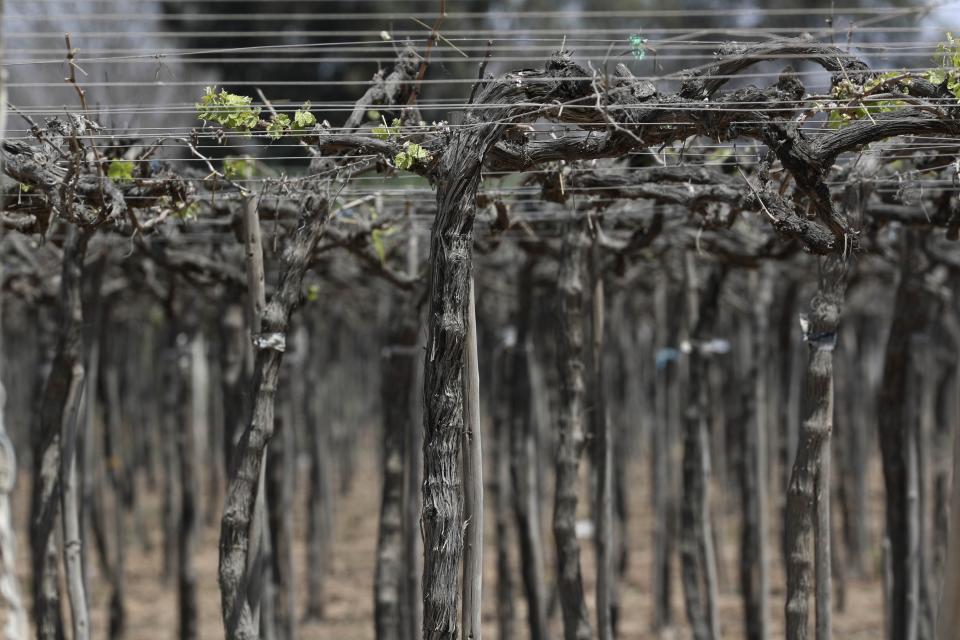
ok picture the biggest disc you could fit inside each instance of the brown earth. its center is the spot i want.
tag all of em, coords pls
(151, 603)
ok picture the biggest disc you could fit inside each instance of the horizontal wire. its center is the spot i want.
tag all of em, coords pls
(478, 36)
(80, 37)
(692, 151)
(284, 105)
(247, 61)
(425, 81)
(556, 14)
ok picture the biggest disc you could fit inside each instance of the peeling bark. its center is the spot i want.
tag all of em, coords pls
(570, 285)
(698, 561)
(14, 626)
(47, 443)
(320, 493)
(181, 430)
(666, 384)
(754, 576)
(398, 357)
(602, 454)
(523, 461)
(500, 383)
(235, 533)
(281, 480)
(895, 429)
(805, 564)
(451, 250)
(70, 509)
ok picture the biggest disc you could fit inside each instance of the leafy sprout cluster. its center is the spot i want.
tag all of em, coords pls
(235, 168)
(235, 112)
(120, 170)
(877, 95)
(948, 58)
(412, 152)
(885, 92)
(229, 110)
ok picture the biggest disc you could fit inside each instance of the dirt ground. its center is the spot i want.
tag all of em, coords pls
(151, 603)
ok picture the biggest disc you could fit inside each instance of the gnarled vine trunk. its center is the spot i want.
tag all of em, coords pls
(806, 565)
(523, 462)
(697, 555)
(602, 452)
(570, 433)
(235, 533)
(754, 560)
(65, 371)
(895, 431)
(398, 355)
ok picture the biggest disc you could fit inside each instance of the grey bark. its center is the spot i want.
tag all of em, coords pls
(243, 484)
(807, 567)
(523, 461)
(945, 549)
(69, 508)
(823, 556)
(698, 561)
(500, 488)
(855, 436)
(925, 377)
(570, 443)
(661, 462)
(66, 366)
(603, 454)
(754, 577)
(442, 515)
(413, 551)
(398, 357)
(458, 174)
(233, 348)
(280, 485)
(169, 430)
(119, 481)
(320, 492)
(895, 431)
(181, 429)
(200, 423)
(473, 481)
(948, 620)
(14, 626)
(259, 590)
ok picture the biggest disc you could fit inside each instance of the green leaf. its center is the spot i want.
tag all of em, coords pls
(718, 156)
(376, 238)
(25, 188)
(385, 131)
(936, 76)
(835, 119)
(412, 154)
(313, 293)
(403, 161)
(417, 152)
(279, 124)
(303, 119)
(188, 211)
(238, 168)
(120, 170)
(229, 110)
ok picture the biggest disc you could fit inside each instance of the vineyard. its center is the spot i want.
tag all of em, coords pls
(439, 320)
